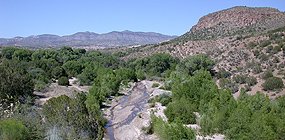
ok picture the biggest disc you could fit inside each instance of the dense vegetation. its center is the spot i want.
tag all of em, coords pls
(23, 71)
(78, 117)
(195, 96)
(248, 117)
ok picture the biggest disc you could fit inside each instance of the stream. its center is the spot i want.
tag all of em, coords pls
(125, 111)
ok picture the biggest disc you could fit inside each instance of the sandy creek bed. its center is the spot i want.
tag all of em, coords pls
(128, 114)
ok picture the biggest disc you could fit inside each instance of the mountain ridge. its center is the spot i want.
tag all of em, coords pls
(87, 39)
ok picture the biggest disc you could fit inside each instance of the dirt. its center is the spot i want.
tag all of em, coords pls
(55, 90)
(128, 114)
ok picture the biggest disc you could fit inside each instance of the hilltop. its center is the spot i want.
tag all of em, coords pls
(243, 41)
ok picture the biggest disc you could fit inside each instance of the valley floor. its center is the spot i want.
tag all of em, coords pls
(128, 114)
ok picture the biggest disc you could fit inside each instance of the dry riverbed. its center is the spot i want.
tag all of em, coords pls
(128, 114)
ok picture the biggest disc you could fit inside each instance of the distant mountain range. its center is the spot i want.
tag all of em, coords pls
(87, 40)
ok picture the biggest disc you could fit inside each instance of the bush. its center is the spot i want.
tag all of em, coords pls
(71, 117)
(40, 85)
(58, 72)
(164, 99)
(273, 83)
(251, 81)
(87, 76)
(12, 130)
(267, 74)
(194, 63)
(181, 111)
(15, 83)
(265, 43)
(241, 79)
(157, 65)
(275, 60)
(171, 131)
(263, 57)
(256, 69)
(269, 49)
(276, 49)
(251, 45)
(148, 129)
(228, 84)
(223, 74)
(63, 81)
(154, 85)
(140, 75)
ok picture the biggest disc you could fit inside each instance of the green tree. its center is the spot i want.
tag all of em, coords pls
(193, 63)
(58, 72)
(72, 68)
(172, 131)
(182, 111)
(88, 75)
(155, 65)
(16, 84)
(13, 130)
(71, 117)
(7, 52)
(63, 81)
(22, 55)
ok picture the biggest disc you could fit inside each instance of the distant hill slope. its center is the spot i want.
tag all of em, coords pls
(88, 39)
(235, 21)
(243, 41)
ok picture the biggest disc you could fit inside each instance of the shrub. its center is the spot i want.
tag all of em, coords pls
(275, 60)
(40, 85)
(154, 85)
(63, 81)
(256, 69)
(265, 43)
(164, 99)
(281, 65)
(247, 88)
(182, 111)
(241, 79)
(15, 83)
(267, 74)
(273, 83)
(256, 53)
(12, 130)
(140, 75)
(263, 57)
(269, 49)
(228, 84)
(223, 74)
(71, 117)
(276, 49)
(194, 63)
(171, 131)
(58, 72)
(148, 129)
(251, 45)
(251, 81)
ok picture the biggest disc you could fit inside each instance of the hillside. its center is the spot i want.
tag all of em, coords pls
(88, 40)
(243, 41)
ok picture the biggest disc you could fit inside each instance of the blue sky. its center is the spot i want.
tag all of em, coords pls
(63, 17)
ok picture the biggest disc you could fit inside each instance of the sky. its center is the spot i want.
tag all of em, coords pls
(65, 17)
